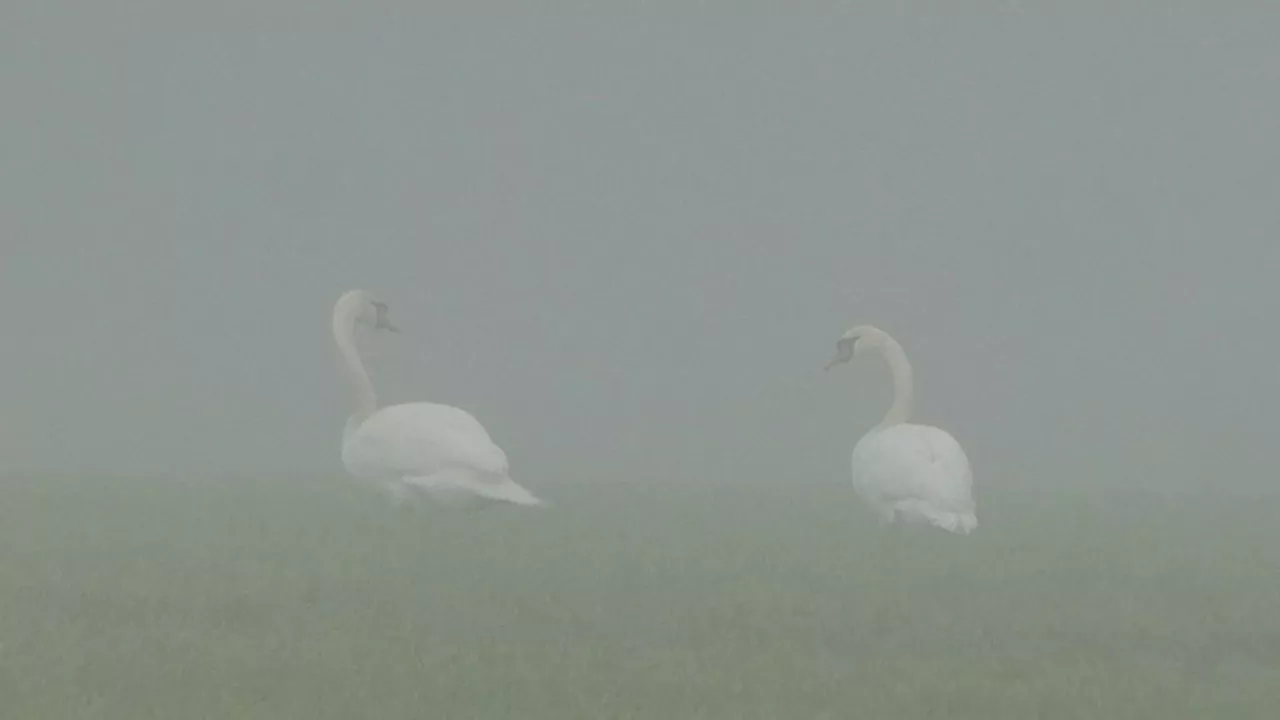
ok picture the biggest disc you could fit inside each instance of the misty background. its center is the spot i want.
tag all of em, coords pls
(628, 242)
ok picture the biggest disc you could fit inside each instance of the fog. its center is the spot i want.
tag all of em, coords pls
(628, 243)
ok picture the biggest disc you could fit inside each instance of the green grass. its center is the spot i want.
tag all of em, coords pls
(307, 598)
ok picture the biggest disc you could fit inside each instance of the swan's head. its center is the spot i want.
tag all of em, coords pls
(361, 308)
(855, 341)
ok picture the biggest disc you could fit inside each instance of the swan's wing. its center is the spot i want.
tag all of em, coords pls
(914, 462)
(422, 439)
(945, 478)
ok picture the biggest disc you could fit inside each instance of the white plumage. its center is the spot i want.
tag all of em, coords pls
(906, 471)
(441, 449)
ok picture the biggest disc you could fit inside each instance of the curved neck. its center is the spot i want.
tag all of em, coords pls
(900, 410)
(363, 399)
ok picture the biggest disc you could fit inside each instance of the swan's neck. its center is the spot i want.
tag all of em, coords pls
(363, 399)
(900, 410)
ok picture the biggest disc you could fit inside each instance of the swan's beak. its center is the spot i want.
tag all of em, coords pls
(844, 353)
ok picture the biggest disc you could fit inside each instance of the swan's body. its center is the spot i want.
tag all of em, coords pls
(906, 471)
(441, 449)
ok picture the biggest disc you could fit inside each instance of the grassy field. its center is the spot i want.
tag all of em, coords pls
(312, 598)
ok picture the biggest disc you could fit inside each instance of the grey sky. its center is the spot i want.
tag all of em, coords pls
(627, 243)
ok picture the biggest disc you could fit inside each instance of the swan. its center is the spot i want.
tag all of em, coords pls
(441, 449)
(916, 473)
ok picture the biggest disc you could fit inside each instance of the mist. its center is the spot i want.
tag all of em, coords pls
(628, 242)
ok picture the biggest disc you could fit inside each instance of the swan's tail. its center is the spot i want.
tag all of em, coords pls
(461, 486)
(961, 524)
(510, 491)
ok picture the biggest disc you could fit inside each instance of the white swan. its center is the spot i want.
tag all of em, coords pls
(917, 473)
(438, 448)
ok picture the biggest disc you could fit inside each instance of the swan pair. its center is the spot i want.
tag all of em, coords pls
(907, 472)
